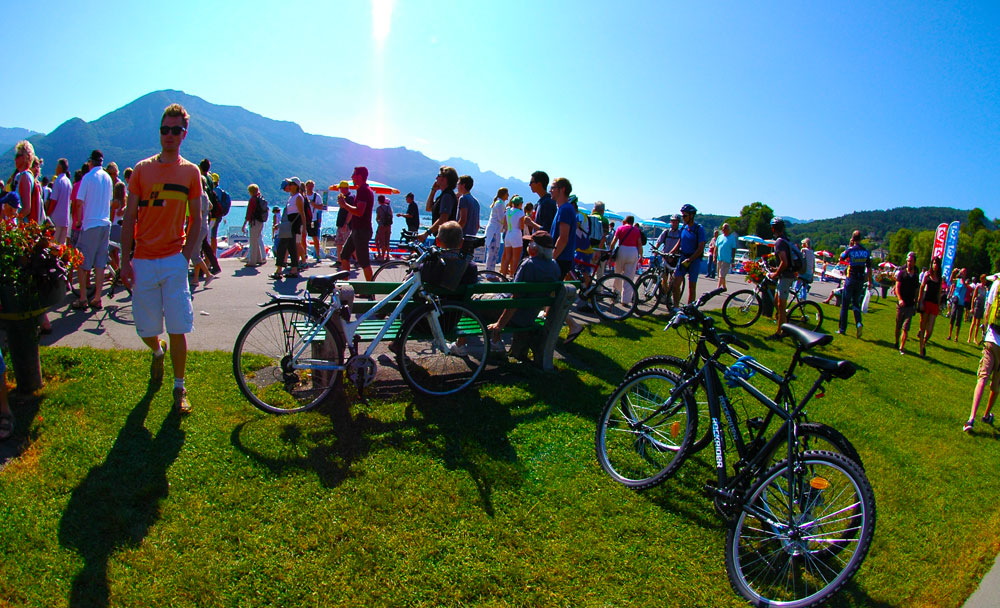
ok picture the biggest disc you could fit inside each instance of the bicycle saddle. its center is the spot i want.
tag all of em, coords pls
(326, 282)
(807, 339)
(471, 243)
(840, 369)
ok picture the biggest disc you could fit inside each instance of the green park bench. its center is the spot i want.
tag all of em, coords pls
(488, 300)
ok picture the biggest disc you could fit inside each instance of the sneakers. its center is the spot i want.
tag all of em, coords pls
(454, 348)
(859, 330)
(988, 418)
(968, 426)
(181, 402)
(156, 367)
(841, 332)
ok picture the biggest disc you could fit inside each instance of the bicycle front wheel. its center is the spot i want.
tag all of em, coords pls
(648, 292)
(392, 272)
(611, 304)
(646, 429)
(681, 367)
(434, 368)
(264, 358)
(807, 315)
(741, 308)
(802, 533)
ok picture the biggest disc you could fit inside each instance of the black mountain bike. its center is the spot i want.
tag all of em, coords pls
(798, 529)
(812, 435)
(742, 308)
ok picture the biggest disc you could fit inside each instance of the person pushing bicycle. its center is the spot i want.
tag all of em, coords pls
(691, 247)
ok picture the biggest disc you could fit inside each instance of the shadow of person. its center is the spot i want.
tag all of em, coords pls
(119, 500)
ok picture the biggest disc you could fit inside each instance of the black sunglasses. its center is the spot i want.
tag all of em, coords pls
(171, 130)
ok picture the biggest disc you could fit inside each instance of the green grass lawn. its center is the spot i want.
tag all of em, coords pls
(493, 498)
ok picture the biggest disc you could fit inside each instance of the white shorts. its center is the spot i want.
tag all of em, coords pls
(161, 292)
(513, 238)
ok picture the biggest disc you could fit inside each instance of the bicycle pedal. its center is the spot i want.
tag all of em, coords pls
(755, 424)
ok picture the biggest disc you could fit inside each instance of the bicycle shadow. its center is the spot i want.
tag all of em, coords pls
(469, 431)
(118, 502)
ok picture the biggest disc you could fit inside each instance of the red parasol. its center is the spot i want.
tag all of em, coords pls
(377, 187)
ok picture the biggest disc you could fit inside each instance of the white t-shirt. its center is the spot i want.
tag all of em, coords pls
(61, 189)
(496, 213)
(291, 206)
(991, 334)
(95, 192)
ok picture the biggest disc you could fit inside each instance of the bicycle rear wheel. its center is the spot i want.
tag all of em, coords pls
(802, 533)
(392, 272)
(649, 292)
(645, 430)
(609, 304)
(434, 371)
(741, 308)
(807, 315)
(263, 353)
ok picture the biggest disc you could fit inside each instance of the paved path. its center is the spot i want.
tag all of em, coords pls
(221, 309)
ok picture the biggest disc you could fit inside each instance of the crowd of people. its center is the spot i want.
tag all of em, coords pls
(154, 223)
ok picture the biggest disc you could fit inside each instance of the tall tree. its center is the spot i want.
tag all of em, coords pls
(899, 245)
(977, 221)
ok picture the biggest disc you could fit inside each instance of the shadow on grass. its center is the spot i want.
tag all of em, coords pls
(25, 408)
(334, 451)
(119, 500)
(469, 431)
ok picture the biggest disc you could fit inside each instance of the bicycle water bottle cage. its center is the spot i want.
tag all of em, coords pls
(740, 369)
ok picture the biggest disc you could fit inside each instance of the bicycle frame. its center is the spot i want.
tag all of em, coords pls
(412, 285)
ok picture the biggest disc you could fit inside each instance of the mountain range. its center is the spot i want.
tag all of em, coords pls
(246, 148)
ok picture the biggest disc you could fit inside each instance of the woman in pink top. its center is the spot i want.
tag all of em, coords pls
(628, 237)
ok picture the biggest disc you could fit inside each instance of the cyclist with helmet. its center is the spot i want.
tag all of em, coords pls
(691, 247)
(783, 274)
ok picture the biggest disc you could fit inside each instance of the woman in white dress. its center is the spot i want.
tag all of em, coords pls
(513, 222)
(494, 230)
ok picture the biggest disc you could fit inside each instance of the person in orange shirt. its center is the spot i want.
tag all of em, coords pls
(162, 190)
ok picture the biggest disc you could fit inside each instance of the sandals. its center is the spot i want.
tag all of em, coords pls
(79, 305)
(6, 426)
(96, 305)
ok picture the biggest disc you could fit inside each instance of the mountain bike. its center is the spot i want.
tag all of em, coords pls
(798, 529)
(654, 284)
(813, 435)
(743, 307)
(290, 356)
(609, 303)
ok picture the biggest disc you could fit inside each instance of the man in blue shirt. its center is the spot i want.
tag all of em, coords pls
(858, 259)
(468, 207)
(563, 225)
(545, 210)
(725, 253)
(691, 247)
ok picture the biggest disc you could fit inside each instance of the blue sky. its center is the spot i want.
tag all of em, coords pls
(817, 109)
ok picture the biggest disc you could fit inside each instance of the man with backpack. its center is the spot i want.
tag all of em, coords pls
(789, 264)
(691, 247)
(989, 363)
(208, 188)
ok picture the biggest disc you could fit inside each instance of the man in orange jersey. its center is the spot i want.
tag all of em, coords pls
(162, 189)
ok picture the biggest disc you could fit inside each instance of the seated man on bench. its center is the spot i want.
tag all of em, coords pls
(538, 268)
